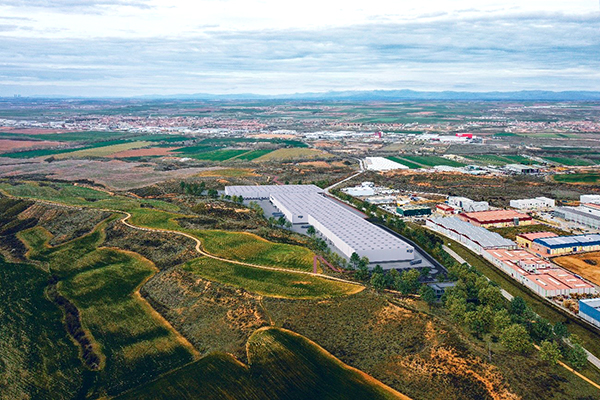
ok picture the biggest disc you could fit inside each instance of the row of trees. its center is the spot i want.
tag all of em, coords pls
(478, 304)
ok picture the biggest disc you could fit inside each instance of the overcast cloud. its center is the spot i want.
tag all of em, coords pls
(122, 48)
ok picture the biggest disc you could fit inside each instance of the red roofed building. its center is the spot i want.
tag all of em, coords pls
(496, 218)
(445, 209)
(525, 239)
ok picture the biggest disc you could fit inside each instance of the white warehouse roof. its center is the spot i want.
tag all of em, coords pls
(346, 230)
(480, 235)
(382, 164)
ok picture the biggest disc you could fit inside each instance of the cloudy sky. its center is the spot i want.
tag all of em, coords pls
(137, 47)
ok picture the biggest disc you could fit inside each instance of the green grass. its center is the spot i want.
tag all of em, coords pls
(219, 155)
(283, 365)
(431, 161)
(103, 151)
(254, 154)
(37, 356)
(408, 163)
(584, 178)
(569, 161)
(133, 343)
(269, 283)
(252, 249)
(489, 159)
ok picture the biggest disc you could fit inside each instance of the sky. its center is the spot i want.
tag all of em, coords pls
(144, 47)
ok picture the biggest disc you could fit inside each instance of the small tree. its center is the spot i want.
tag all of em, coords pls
(501, 320)
(311, 230)
(378, 280)
(560, 330)
(354, 260)
(362, 273)
(517, 307)
(577, 356)
(288, 224)
(516, 339)
(427, 294)
(281, 221)
(550, 352)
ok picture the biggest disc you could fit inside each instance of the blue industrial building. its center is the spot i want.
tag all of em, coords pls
(590, 311)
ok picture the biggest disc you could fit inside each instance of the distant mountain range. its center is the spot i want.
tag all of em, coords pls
(367, 95)
(375, 95)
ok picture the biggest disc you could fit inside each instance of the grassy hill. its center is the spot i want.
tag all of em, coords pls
(283, 365)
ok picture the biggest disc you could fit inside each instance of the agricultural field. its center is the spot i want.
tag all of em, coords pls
(584, 178)
(499, 160)
(408, 163)
(511, 232)
(569, 161)
(62, 151)
(267, 282)
(219, 155)
(252, 155)
(282, 365)
(586, 265)
(104, 151)
(429, 161)
(8, 145)
(288, 154)
(148, 152)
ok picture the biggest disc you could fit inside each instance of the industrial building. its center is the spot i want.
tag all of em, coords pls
(474, 237)
(590, 311)
(521, 169)
(467, 205)
(584, 215)
(445, 209)
(382, 164)
(496, 218)
(539, 275)
(347, 231)
(364, 189)
(413, 211)
(554, 246)
(589, 198)
(539, 203)
(525, 239)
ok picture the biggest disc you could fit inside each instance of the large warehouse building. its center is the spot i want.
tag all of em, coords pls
(474, 237)
(347, 231)
(555, 246)
(586, 214)
(590, 311)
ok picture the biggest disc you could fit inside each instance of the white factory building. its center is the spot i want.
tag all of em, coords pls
(589, 198)
(347, 231)
(539, 203)
(467, 205)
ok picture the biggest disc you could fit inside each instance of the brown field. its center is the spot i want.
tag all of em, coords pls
(114, 174)
(590, 270)
(228, 172)
(317, 164)
(31, 131)
(153, 151)
(7, 145)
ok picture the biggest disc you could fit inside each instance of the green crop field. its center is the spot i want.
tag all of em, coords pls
(267, 282)
(218, 155)
(431, 161)
(569, 161)
(252, 155)
(37, 356)
(283, 365)
(408, 163)
(583, 178)
(131, 342)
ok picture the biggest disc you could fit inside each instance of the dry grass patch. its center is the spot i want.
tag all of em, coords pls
(586, 265)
